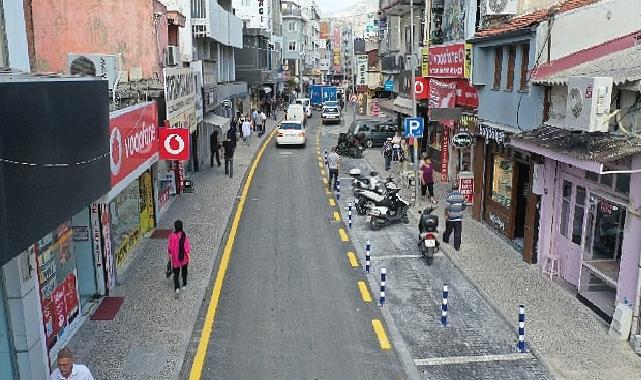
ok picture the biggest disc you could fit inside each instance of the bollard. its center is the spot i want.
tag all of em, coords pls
(444, 306)
(521, 344)
(349, 215)
(325, 156)
(383, 273)
(367, 250)
(338, 189)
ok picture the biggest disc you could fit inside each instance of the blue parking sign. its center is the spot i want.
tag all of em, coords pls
(414, 126)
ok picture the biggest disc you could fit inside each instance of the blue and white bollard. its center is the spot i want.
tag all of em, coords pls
(444, 306)
(338, 189)
(367, 257)
(521, 344)
(383, 273)
(325, 156)
(349, 215)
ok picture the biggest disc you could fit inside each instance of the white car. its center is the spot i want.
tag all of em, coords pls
(331, 113)
(291, 132)
(307, 105)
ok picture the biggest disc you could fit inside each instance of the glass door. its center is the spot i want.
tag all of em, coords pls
(569, 237)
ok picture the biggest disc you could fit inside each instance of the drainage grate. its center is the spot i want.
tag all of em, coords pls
(160, 234)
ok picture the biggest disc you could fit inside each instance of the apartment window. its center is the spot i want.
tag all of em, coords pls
(245, 3)
(511, 60)
(292, 46)
(498, 66)
(525, 62)
(292, 26)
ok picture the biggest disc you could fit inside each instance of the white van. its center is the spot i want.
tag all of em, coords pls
(306, 104)
(296, 112)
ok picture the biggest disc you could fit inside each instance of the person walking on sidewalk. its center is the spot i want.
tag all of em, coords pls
(386, 151)
(455, 204)
(247, 131)
(334, 164)
(232, 133)
(214, 146)
(263, 122)
(427, 178)
(228, 154)
(178, 249)
(396, 146)
(67, 370)
(256, 119)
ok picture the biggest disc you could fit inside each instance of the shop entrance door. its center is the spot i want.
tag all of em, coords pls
(569, 234)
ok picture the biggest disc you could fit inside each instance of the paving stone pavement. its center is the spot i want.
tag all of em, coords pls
(568, 337)
(150, 334)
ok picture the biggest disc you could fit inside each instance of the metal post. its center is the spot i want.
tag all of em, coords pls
(367, 256)
(444, 306)
(338, 188)
(521, 344)
(413, 87)
(325, 156)
(382, 299)
(349, 215)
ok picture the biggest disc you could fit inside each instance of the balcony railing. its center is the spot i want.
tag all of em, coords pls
(218, 24)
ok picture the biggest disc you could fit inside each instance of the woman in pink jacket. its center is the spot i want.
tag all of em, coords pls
(179, 248)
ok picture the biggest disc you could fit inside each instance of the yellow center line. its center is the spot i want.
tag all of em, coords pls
(208, 326)
(380, 333)
(337, 216)
(332, 202)
(326, 190)
(325, 180)
(343, 234)
(322, 172)
(320, 164)
(364, 292)
(352, 259)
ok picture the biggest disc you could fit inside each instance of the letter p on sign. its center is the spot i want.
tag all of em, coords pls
(414, 127)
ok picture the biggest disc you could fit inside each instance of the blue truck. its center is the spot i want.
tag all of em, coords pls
(329, 93)
(320, 94)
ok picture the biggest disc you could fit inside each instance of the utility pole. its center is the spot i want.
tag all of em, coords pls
(413, 89)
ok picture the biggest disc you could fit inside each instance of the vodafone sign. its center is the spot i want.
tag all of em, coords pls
(133, 139)
(174, 144)
(421, 88)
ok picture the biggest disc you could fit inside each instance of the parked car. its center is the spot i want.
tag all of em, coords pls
(291, 133)
(307, 105)
(376, 131)
(296, 112)
(331, 113)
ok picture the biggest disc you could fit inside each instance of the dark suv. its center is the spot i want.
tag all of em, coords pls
(375, 131)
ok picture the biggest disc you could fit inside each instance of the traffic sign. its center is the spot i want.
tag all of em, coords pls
(174, 144)
(353, 98)
(414, 126)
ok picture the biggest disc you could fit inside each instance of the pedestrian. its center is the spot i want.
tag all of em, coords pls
(178, 249)
(386, 151)
(232, 133)
(247, 131)
(228, 154)
(263, 121)
(427, 178)
(256, 119)
(214, 147)
(67, 370)
(396, 146)
(455, 204)
(334, 164)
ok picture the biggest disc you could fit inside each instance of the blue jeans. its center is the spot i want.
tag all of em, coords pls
(388, 162)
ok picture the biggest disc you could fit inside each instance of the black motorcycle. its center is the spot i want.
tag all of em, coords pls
(428, 234)
(350, 145)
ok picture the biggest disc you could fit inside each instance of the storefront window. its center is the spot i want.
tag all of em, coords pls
(623, 183)
(604, 235)
(125, 211)
(606, 180)
(502, 181)
(579, 208)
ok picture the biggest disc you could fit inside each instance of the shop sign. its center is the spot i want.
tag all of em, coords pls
(179, 90)
(179, 168)
(361, 75)
(134, 140)
(59, 310)
(462, 140)
(389, 85)
(80, 233)
(421, 88)
(324, 30)
(466, 188)
(442, 94)
(95, 234)
(425, 62)
(174, 144)
(490, 133)
(127, 245)
(445, 153)
(376, 109)
(447, 61)
(466, 94)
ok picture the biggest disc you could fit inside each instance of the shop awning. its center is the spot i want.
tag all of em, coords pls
(212, 118)
(595, 152)
(397, 105)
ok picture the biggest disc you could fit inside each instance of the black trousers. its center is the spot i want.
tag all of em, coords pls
(457, 227)
(229, 167)
(178, 271)
(333, 173)
(214, 154)
(426, 187)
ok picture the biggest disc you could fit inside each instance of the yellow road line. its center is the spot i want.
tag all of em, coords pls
(352, 259)
(208, 327)
(322, 172)
(325, 180)
(380, 333)
(320, 164)
(332, 202)
(343, 234)
(364, 292)
(327, 191)
(337, 216)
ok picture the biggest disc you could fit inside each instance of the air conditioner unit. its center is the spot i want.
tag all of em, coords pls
(500, 7)
(172, 56)
(588, 102)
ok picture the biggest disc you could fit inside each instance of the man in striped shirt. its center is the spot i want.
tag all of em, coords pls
(454, 206)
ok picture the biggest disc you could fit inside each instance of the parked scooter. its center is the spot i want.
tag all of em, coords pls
(392, 210)
(428, 234)
(351, 146)
(365, 199)
(373, 182)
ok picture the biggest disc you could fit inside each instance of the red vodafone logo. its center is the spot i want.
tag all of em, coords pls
(174, 144)
(420, 88)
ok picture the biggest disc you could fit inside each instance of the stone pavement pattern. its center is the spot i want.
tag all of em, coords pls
(148, 338)
(570, 338)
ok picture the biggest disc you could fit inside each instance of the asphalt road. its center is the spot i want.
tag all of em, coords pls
(290, 307)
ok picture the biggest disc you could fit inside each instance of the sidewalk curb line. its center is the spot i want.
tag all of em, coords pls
(183, 363)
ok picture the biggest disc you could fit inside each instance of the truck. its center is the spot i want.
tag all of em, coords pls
(316, 96)
(329, 93)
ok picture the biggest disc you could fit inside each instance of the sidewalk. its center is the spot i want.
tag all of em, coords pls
(149, 337)
(569, 337)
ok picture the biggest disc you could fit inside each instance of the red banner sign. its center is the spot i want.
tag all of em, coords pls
(134, 140)
(174, 144)
(466, 94)
(466, 188)
(445, 152)
(442, 94)
(421, 88)
(447, 61)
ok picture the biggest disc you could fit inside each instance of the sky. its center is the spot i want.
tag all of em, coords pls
(329, 7)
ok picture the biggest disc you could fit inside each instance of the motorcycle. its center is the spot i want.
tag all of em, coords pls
(428, 234)
(373, 182)
(365, 199)
(392, 210)
(351, 146)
